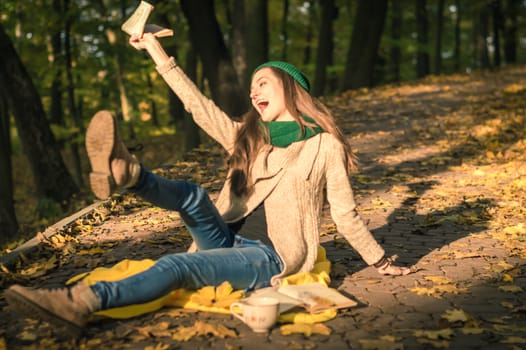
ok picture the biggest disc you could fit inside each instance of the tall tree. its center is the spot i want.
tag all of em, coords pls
(56, 110)
(192, 134)
(8, 221)
(250, 38)
(72, 105)
(396, 36)
(175, 106)
(496, 11)
(481, 36)
(438, 36)
(365, 40)
(116, 39)
(307, 52)
(52, 179)
(284, 29)
(422, 30)
(511, 10)
(217, 63)
(456, 50)
(325, 52)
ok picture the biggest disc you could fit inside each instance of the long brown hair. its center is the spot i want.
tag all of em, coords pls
(252, 136)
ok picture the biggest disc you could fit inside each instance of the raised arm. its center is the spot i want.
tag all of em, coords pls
(205, 112)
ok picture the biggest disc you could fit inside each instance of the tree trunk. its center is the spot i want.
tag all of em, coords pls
(115, 38)
(257, 41)
(422, 29)
(396, 36)
(175, 106)
(510, 30)
(56, 110)
(50, 173)
(217, 64)
(192, 137)
(284, 30)
(325, 52)
(8, 221)
(456, 54)
(185, 126)
(438, 36)
(71, 98)
(249, 38)
(365, 40)
(482, 31)
(307, 52)
(151, 103)
(496, 10)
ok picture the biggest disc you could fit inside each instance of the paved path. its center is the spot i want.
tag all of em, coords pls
(433, 189)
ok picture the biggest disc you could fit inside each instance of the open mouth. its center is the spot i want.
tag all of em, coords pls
(262, 105)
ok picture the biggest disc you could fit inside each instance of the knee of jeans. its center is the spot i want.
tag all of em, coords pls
(196, 196)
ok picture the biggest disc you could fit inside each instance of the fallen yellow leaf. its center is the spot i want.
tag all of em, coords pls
(445, 333)
(472, 330)
(514, 340)
(158, 346)
(511, 289)
(455, 315)
(438, 279)
(202, 328)
(306, 328)
(383, 343)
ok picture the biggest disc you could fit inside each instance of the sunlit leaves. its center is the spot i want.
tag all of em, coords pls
(160, 329)
(158, 346)
(511, 289)
(455, 315)
(221, 296)
(307, 329)
(441, 285)
(39, 268)
(386, 342)
(201, 328)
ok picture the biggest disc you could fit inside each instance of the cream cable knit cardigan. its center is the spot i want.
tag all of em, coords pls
(289, 180)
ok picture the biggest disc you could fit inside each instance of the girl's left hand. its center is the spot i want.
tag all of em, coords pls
(392, 270)
(385, 267)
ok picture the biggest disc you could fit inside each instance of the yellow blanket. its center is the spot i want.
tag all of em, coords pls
(210, 299)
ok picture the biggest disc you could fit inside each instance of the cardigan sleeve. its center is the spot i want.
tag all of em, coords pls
(343, 207)
(205, 112)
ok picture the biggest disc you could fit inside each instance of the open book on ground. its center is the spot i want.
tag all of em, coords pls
(313, 297)
(136, 24)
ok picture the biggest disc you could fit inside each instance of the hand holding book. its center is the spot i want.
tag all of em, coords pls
(136, 23)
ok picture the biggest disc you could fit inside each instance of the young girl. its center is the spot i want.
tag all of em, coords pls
(264, 225)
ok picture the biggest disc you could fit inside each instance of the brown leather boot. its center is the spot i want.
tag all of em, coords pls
(112, 165)
(65, 307)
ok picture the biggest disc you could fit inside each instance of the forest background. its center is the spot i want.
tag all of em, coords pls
(63, 60)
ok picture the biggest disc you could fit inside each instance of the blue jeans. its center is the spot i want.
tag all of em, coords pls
(222, 255)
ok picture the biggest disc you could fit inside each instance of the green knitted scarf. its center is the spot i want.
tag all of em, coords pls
(282, 134)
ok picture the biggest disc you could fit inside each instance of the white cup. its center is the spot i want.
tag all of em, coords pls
(259, 313)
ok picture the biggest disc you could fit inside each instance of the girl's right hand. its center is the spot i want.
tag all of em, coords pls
(142, 42)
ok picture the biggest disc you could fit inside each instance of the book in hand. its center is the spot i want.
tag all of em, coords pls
(313, 297)
(136, 23)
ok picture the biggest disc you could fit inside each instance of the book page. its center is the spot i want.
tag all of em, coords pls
(158, 31)
(135, 24)
(286, 303)
(317, 297)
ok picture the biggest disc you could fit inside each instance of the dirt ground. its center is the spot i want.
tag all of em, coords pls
(442, 184)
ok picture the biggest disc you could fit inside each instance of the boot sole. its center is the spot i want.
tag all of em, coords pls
(100, 141)
(28, 308)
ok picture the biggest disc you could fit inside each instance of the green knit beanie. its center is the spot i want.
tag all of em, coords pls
(290, 69)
